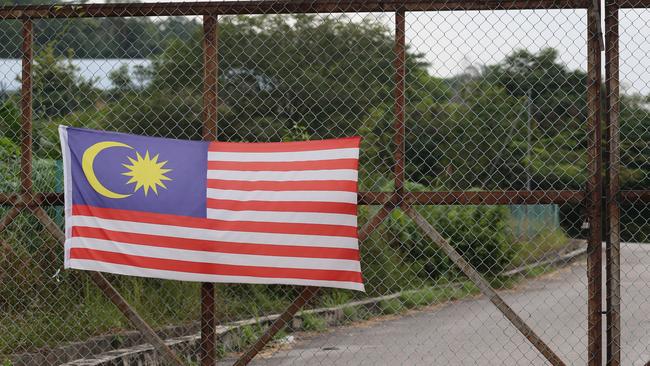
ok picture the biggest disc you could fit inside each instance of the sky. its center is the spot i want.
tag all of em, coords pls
(454, 41)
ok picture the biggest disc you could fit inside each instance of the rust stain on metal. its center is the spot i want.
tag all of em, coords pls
(274, 7)
(613, 161)
(474, 198)
(7, 219)
(634, 196)
(210, 76)
(424, 198)
(594, 193)
(207, 350)
(633, 4)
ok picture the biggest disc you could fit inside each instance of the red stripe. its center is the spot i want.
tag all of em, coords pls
(284, 166)
(215, 246)
(212, 224)
(342, 143)
(213, 268)
(284, 206)
(303, 185)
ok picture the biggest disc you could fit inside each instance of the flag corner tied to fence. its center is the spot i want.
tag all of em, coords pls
(266, 213)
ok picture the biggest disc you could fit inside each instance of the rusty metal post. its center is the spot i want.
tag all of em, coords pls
(152, 9)
(210, 76)
(6, 220)
(483, 286)
(207, 349)
(26, 109)
(423, 198)
(594, 188)
(210, 69)
(25, 131)
(400, 76)
(303, 298)
(613, 254)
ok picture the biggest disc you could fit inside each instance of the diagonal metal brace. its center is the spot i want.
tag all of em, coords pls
(7, 219)
(109, 291)
(305, 295)
(484, 286)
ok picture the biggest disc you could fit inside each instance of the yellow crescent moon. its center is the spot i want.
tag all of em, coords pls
(87, 166)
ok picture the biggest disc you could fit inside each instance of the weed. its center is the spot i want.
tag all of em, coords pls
(311, 322)
(392, 306)
(350, 314)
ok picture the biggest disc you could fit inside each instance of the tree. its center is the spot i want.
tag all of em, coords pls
(58, 88)
(276, 71)
(557, 92)
(121, 81)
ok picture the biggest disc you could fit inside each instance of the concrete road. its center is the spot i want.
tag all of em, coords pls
(473, 331)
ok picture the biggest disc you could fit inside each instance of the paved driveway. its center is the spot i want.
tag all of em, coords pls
(473, 331)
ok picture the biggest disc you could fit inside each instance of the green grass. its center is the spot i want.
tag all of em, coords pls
(334, 297)
(247, 336)
(436, 295)
(539, 270)
(356, 313)
(351, 314)
(69, 314)
(392, 306)
(418, 298)
(529, 251)
(314, 323)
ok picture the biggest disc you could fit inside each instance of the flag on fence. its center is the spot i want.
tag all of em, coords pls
(271, 213)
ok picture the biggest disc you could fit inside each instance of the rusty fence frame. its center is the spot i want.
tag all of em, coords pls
(602, 200)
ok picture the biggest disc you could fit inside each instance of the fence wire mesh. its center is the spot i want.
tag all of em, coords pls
(494, 101)
(634, 176)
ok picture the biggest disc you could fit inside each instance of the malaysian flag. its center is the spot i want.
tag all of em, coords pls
(269, 213)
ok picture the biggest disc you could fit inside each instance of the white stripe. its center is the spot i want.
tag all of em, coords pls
(349, 153)
(67, 187)
(294, 175)
(92, 265)
(280, 216)
(216, 235)
(214, 257)
(275, 196)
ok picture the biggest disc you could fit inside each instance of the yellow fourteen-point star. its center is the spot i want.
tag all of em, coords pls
(147, 173)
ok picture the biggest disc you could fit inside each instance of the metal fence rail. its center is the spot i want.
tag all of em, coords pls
(466, 108)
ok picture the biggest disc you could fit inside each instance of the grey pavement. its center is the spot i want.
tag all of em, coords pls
(473, 331)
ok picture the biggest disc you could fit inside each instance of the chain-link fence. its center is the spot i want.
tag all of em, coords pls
(629, 174)
(480, 177)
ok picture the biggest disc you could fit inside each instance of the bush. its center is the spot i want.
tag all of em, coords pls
(10, 121)
(481, 234)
